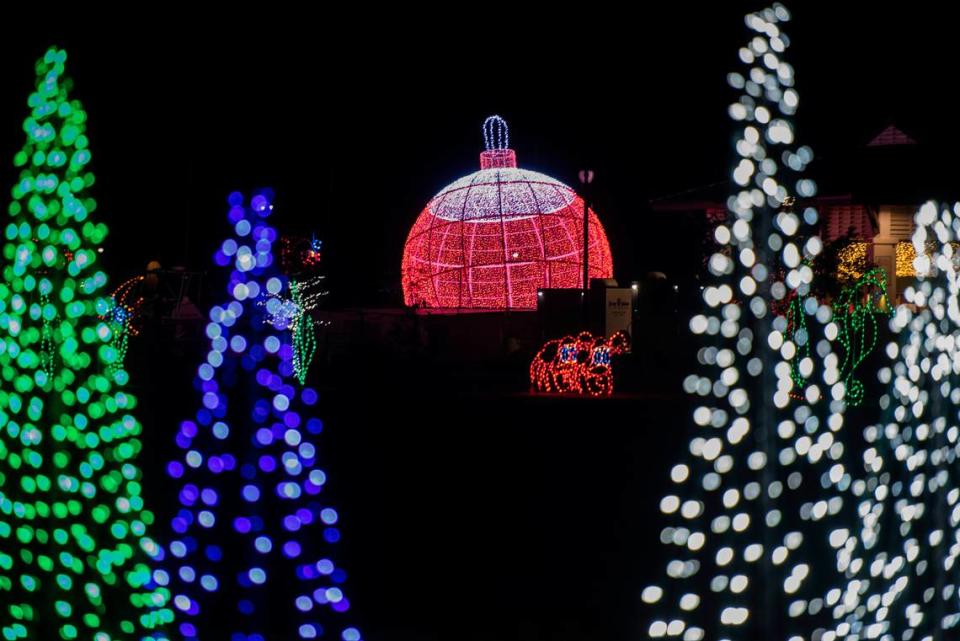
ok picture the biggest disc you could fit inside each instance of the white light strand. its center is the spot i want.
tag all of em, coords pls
(282, 312)
(486, 195)
(496, 133)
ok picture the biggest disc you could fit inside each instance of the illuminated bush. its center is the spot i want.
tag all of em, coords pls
(74, 552)
(245, 560)
(852, 262)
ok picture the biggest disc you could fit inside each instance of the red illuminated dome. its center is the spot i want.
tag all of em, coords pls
(491, 239)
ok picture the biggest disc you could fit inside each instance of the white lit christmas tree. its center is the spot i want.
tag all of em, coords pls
(900, 568)
(754, 501)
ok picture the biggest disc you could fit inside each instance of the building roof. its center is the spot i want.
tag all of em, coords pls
(891, 136)
(891, 168)
(853, 218)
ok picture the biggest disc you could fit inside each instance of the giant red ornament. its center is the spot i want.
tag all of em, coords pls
(491, 239)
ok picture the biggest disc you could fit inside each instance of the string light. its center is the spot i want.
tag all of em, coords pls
(299, 254)
(311, 292)
(128, 304)
(748, 520)
(491, 239)
(294, 313)
(496, 134)
(851, 261)
(123, 318)
(905, 256)
(797, 330)
(315, 253)
(46, 334)
(75, 553)
(246, 538)
(580, 365)
(304, 336)
(855, 313)
(120, 328)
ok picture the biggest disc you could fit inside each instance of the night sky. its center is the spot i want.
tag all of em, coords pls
(356, 125)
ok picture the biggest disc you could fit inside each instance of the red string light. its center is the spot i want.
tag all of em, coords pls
(578, 365)
(130, 306)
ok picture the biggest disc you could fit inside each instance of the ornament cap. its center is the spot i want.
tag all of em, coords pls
(496, 140)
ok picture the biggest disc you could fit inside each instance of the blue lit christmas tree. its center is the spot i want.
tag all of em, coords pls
(251, 553)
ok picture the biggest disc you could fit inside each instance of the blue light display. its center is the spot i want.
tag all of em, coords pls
(244, 542)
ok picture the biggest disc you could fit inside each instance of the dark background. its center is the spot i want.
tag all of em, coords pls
(357, 122)
(475, 518)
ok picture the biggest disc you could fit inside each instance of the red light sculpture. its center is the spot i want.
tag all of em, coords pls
(580, 365)
(491, 239)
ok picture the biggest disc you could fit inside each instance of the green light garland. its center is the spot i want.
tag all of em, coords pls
(797, 331)
(46, 333)
(74, 550)
(120, 336)
(855, 314)
(304, 335)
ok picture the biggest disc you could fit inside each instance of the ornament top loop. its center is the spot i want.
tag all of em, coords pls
(496, 134)
(496, 139)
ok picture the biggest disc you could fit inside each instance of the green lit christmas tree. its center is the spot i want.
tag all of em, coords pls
(74, 552)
